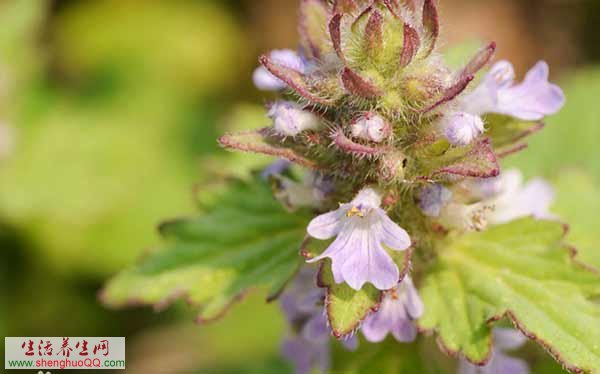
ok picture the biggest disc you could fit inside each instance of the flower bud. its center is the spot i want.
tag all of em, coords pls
(290, 120)
(264, 80)
(391, 167)
(461, 128)
(371, 127)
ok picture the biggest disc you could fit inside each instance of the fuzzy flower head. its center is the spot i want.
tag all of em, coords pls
(400, 307)
(289, 119)
(263, 80)
(371, 127)
(358, 254)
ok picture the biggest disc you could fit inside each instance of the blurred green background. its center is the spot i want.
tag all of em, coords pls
(115, 106)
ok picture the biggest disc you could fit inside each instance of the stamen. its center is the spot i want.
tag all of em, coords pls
(355, 212)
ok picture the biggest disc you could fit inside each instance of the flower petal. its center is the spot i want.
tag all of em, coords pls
(538, 195)
(413, 304)
(507, 339)
(404, 331)
(369, 262)
(327, 225)
(393, 236)
(534, 98)
(316, 329)
(375, 328)
(510, 365)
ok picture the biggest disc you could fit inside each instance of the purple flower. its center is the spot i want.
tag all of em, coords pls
(307, 345)
(264, 80)
(461, 128)
(433, 198)
(289, 119)
(515, 200)
(371, 127)
(400, 306)
(361, 229)
(309, 193)
(531, 100)
(275, 168)
(500, 363)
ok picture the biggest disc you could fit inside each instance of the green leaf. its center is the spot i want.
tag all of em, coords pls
(346, 308)
(578, 203)
(520, 270)
(242, 239)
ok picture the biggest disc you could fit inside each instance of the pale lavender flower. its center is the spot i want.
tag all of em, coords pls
(515, 200)
(461, 128)
(308, 345)
(531, 100)
(466, 217)
(433, 198)
(371, 127)
(289, 119)
(499, 200)
(500, 363)
(264, 80)
(400, 306)
(308, 193)
(357, 254)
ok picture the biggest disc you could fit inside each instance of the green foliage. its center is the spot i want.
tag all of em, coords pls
(166, 41)
(391, 357)
(346, 308)
(578, 204)
(242, 239)
(520, 270)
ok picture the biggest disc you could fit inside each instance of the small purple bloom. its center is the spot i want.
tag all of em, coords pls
(308, 193)
(307, 345)
(515, 200)
(500, 363)
(433, 198)
(289, 119)
(264, 80)
(276, 168)
(461, 128)
(531, 100)
(371, 127)
(361, 229)
(400, 306)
